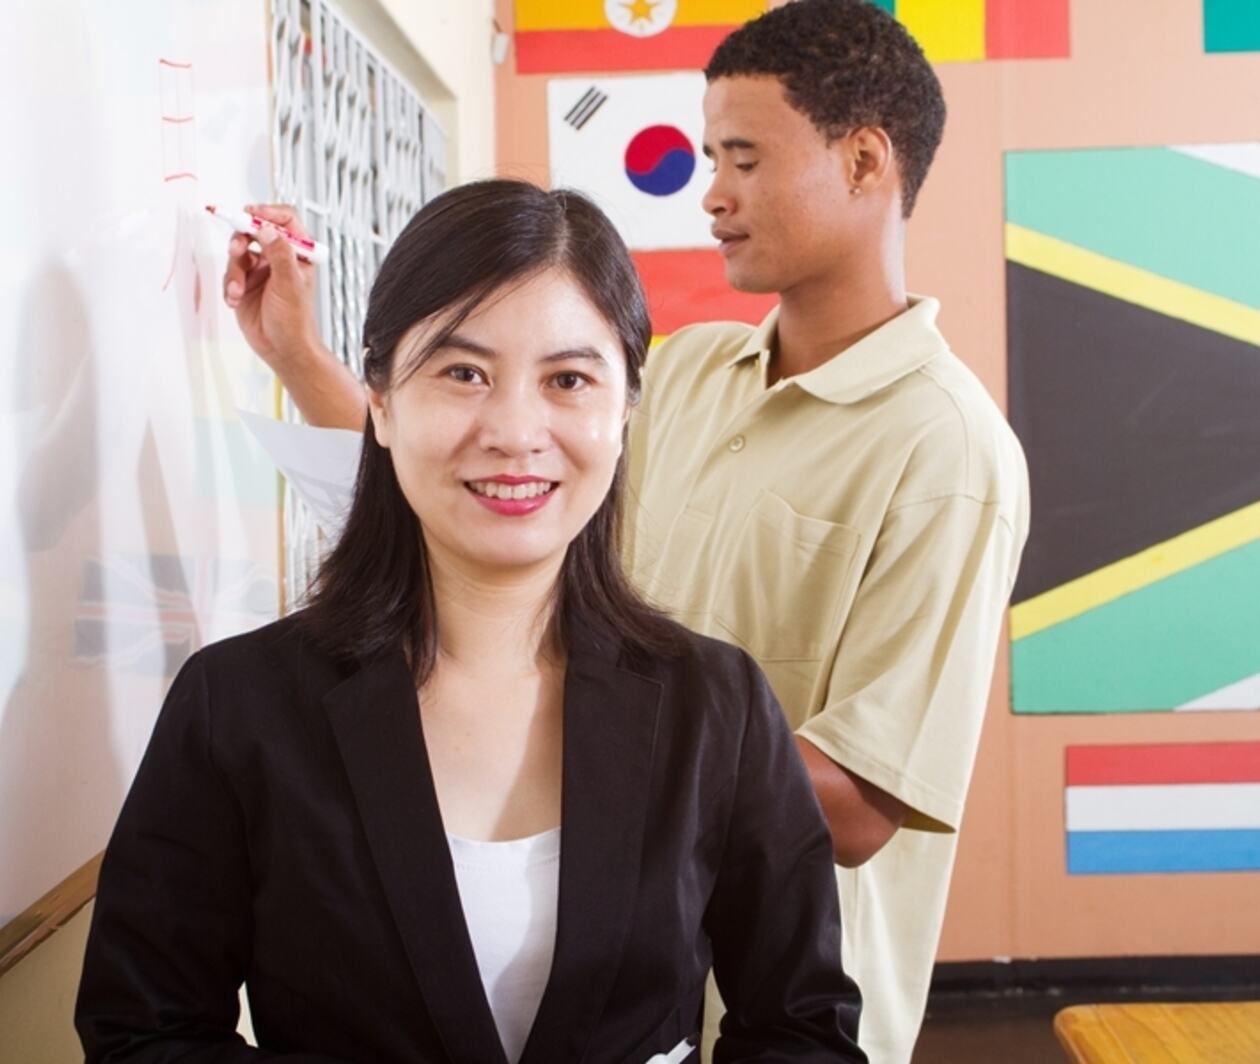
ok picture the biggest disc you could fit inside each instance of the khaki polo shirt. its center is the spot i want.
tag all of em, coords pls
(857, 529)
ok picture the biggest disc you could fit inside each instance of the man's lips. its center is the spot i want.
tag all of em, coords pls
(728, 239)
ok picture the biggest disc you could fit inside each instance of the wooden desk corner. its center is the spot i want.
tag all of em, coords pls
(1217, 1032)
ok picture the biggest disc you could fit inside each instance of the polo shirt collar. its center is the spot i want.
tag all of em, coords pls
(894, 350)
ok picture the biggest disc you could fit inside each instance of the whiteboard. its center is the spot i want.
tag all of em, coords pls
(138, 520)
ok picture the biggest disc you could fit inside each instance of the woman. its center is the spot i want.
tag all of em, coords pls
(477, 802)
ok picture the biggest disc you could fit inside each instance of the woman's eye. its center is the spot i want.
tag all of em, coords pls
(569, 382)
(465, 374)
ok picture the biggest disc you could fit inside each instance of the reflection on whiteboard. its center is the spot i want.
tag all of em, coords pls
(145, 614)
(137, 519)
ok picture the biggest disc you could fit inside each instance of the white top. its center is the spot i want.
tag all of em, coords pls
(509, 892)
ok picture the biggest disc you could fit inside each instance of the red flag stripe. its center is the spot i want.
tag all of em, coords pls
(1026, 29)
(1092, 766)
(599, 51)
(684, 287)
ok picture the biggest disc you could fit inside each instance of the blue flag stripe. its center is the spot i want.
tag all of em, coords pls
(1121, 852)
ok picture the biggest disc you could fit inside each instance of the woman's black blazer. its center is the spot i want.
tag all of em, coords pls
(283, 830)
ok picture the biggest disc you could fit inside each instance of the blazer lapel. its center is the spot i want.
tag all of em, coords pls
(610, 719)
(376, 720)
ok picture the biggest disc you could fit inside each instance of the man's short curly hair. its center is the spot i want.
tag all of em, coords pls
(846, 64)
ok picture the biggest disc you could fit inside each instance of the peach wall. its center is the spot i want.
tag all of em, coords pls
(1137, 76)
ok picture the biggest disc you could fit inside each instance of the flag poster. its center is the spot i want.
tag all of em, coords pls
(1231, 26)
(1163, 807)
(633, 145)
(565, 36)
(969, 31)
(1133, 322)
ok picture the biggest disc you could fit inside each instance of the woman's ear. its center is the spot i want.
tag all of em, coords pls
(625, 430)
(634, 396)
(378, 410)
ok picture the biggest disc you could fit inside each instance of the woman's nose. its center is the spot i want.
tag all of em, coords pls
(515, 420)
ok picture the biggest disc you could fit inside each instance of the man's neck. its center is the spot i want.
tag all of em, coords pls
(821, 319)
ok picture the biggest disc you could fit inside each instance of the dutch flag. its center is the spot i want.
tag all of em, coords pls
(1167, 807)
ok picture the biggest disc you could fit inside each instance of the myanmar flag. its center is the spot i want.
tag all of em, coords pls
(557, 36)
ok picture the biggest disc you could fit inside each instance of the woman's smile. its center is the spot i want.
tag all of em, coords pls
(512, 496)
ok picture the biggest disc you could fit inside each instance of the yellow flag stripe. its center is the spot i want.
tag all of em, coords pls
(1141, 287)
(589, 14)
(1136, 572)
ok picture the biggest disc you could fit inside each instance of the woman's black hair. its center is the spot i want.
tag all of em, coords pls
(374, 592)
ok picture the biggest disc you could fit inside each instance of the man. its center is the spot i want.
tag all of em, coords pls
(833, 490)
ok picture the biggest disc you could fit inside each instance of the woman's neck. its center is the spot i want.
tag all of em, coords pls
(493, 623)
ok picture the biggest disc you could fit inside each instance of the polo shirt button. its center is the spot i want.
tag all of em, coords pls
(737, 444)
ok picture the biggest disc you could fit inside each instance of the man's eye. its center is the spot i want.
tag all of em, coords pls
(745, 167)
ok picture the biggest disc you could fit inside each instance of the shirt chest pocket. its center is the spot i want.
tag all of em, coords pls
(786, 582)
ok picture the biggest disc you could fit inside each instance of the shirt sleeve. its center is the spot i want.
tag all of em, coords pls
(910, 683)
(321, 465)
(774, 918)
(171, 934)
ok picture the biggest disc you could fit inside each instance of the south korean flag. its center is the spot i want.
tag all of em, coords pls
(633, 145)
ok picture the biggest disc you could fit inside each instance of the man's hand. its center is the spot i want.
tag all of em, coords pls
(273, 295)
(862, 817)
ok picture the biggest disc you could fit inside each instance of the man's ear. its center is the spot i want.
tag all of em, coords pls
(870, 158)
(378, 411)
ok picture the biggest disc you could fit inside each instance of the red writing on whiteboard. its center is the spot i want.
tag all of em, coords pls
(179, 141)
(179, 137)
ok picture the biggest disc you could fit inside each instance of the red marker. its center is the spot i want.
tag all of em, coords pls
(243, 222)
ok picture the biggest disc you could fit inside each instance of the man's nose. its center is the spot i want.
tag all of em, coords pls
(717, 199)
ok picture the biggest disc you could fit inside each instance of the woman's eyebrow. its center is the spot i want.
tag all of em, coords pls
(464, 343)
(576, 352)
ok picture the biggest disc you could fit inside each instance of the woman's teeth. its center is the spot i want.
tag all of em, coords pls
(494, 490)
